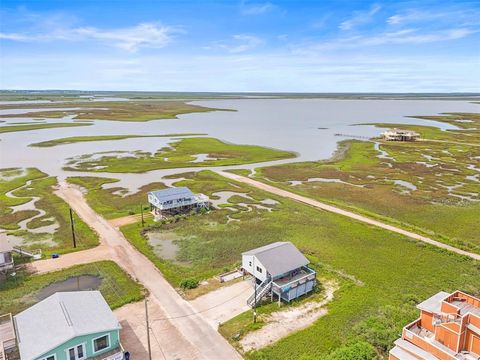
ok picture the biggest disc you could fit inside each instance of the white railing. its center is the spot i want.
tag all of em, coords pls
(295, 282)
(260, 291)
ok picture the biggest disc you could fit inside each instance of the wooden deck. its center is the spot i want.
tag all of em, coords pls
(7, 335)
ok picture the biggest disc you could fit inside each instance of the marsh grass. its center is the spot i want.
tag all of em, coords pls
(180, 154)
(57, 211)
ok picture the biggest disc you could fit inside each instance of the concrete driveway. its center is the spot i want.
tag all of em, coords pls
(225, 303)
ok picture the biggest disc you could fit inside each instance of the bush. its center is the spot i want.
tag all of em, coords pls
(189, 283)
(360, 350)
(356, 351)
(383, 328)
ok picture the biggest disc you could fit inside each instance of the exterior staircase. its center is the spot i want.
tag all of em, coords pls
(34, 254)
(262, 290)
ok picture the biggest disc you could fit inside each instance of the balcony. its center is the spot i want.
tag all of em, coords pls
(292, 280)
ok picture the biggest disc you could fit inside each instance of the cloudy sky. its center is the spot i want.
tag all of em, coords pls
(284, 46)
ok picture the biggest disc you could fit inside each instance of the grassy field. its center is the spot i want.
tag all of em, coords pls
(15, 128)
(111, 110)
(382, 274)
(31, 183)
(76, 139)
(116, 287)
(181, 154)
(426, 186)
(109, 202)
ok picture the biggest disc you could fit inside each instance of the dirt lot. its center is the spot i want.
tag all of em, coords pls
(283, 323)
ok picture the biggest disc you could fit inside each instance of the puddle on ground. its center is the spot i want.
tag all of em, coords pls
(76, 283)
(324, 180)
(164, 245)
(405, 184)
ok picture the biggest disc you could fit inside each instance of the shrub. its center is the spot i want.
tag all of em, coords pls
(189, 283)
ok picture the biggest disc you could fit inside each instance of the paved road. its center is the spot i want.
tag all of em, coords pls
(336, 210)
(193, 334)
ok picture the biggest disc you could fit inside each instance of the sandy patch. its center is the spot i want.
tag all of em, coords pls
(283, 323)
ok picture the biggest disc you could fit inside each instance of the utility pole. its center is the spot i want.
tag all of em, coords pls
(73, 229)
(148, 331)
(141, 211)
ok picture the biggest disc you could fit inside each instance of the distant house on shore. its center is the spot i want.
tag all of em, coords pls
(448, 328)
(279, 270)
(65, 326)
(174, 201)
(400, 135)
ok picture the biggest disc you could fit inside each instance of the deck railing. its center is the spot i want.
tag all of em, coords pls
(295, 282)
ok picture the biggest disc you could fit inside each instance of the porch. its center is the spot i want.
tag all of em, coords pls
(294, 284)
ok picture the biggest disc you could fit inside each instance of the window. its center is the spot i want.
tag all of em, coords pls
(101, 343)
(259, 269)
(250, 263)
(76, 353)
(50, 357)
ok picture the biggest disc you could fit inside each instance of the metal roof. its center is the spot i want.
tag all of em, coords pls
(279, 257)
(172, 193)
(59, 318)
(434, 303)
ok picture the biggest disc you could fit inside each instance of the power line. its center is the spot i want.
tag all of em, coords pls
(158, 343)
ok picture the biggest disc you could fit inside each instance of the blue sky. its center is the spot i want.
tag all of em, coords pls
(297, 46)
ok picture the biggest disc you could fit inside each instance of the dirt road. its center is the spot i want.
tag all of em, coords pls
(99, 253)
(352, 215)
(193, 334)
(127, 220)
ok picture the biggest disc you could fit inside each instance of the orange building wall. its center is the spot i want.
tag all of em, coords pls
(426, 321)
(428, 347)
(449, 308)
(447, 338)
(472, 342)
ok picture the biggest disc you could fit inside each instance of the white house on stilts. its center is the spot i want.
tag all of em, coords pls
(173, 201)
(279, 270)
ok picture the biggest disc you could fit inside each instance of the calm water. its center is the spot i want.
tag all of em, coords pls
(76, 283)
(288, 124)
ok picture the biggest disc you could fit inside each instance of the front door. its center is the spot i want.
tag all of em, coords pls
(77, 352)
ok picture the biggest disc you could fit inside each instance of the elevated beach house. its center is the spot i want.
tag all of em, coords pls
(279, 270)
(448, 329)
(400, 135)
(174, 201)
(75, 325)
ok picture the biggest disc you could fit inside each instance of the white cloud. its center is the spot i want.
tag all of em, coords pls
(256, 8)
(233, 72)
(359, 18)
(457, 16)
(149, 35)
(241, 43)
(404, 36)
